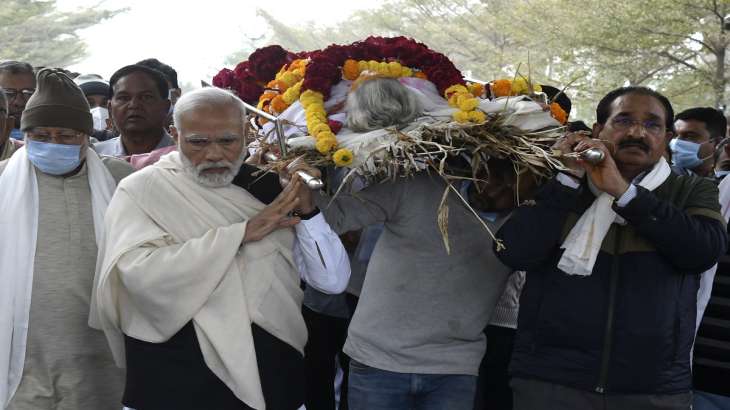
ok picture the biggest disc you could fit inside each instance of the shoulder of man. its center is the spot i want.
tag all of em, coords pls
(264, 187)
(694, 194)
(3, 164)
(106, 147)
(117, 167)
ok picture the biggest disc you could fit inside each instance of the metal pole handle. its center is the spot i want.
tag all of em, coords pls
(593, 156)
(313, 183)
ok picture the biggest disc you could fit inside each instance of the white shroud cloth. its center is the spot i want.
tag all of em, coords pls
(173, 254)
(584, 241)
(19, 227)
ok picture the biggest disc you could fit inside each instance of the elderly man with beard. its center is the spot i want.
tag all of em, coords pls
(198, 289)
(607, 314)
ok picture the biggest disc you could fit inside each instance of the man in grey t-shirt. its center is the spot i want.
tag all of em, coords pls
(416, 338)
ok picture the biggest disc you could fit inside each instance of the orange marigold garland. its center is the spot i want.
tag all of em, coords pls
(309, 77)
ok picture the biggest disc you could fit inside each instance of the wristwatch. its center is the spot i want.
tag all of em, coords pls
(305, 217)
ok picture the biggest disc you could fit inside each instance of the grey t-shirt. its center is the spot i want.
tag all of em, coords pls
(420, 310)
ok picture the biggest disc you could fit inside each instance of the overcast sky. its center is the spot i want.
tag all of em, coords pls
(194, 37)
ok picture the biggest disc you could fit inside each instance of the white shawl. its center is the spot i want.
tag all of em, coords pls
(19, 227)
(584, 241)
(184, 262)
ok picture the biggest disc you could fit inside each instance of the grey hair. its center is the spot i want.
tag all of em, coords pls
(209, 98)
(17, 67)
(3, 102)
(380, 103)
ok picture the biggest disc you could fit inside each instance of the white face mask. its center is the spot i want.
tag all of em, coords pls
(100, 115)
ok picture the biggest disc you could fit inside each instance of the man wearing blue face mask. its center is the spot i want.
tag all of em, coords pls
(699, 130)
(58, 190)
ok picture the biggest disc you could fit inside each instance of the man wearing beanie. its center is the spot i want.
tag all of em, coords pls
(139, 107)
(58, 190)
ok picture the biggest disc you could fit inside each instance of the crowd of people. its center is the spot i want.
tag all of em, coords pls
(146, 263)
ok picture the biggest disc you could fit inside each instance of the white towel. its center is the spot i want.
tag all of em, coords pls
(584, 240)
(19, 188)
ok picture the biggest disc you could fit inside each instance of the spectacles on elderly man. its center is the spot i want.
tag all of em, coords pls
(624, 123)
(24, 93)
(199, 143)
(63, 137)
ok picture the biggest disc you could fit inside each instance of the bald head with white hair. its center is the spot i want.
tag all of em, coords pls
(379, 103)
(208, 126)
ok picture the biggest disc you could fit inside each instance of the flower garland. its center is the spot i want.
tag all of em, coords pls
(352, 69)
(284, 89)
(465, 99)
(524, 86)
(318, 71)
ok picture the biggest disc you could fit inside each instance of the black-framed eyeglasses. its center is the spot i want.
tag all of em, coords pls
(24, 93)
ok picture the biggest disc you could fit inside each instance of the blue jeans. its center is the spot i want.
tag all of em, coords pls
(709, 401)
(374, 389)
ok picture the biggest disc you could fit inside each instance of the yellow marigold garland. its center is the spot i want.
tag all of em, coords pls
(316, 115)
(342, 157)
(463, 98)
(519, 86)
(284, 89)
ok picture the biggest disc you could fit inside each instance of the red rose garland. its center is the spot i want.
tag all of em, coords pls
(248, 78)
(325, 69)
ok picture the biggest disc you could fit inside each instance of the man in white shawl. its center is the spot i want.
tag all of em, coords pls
(613, 252)
(53, 193)
(199, 289)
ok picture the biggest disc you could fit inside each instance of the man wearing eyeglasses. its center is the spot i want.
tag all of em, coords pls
(54, 192)
(608, 312)
(18, 80)
(199, 286)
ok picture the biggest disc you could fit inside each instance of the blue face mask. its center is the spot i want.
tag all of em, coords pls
(721, 174)
(16, 134)
(53, 159)
(685, 154)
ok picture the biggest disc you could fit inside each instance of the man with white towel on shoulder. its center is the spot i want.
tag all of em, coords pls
(608, 311)
(54, 192)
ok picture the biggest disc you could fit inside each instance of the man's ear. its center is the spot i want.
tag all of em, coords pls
(597, 128)
(174, 134)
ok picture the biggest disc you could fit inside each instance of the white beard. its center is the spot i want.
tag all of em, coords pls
(212, 180)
